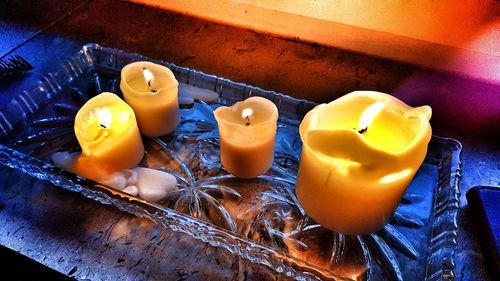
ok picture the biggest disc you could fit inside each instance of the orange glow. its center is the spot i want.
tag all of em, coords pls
(426, 33)
(425, 19)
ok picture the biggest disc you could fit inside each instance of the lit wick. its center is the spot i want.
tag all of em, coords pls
(363, 130)
(368, 115)
(245, 114)
(104, 117)
(149, 77)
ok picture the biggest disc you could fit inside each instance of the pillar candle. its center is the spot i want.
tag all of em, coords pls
(359, 154)
(151, 90)
(247, 130)
(107, 132)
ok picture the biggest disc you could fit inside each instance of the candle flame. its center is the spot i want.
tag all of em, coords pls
(369, 114)
(246, 114)
(149, 77)
(104, 117)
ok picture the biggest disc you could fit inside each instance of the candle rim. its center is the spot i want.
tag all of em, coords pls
(97, 103)
(272, 119)
(151, 66)
(422, 112)
(382, 154)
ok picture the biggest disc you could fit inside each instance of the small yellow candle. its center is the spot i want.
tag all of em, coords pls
(151, 90)
(107, 132)
(359, 154)
(247, 131)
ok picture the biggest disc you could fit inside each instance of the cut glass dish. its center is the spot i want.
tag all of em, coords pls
(259, 219)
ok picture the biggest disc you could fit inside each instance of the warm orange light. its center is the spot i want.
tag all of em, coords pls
(424, 32)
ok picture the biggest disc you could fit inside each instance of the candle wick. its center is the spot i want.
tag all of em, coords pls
(150, 87)
(363, 130)
(102, 133)
(245, 114)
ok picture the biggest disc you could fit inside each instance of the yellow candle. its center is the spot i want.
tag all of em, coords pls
(151, 90)
(107, 132)
(247, 131)
(359, 154)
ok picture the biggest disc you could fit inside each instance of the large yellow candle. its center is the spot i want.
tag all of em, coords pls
(151, 90)
(107, 132)
(359, 154)
(247, 131)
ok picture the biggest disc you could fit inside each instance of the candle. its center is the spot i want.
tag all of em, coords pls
(359, 154)
(107, 132)
(247, 131)
(151, 90)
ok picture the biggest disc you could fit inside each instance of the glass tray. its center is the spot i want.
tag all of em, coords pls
(259, 220)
